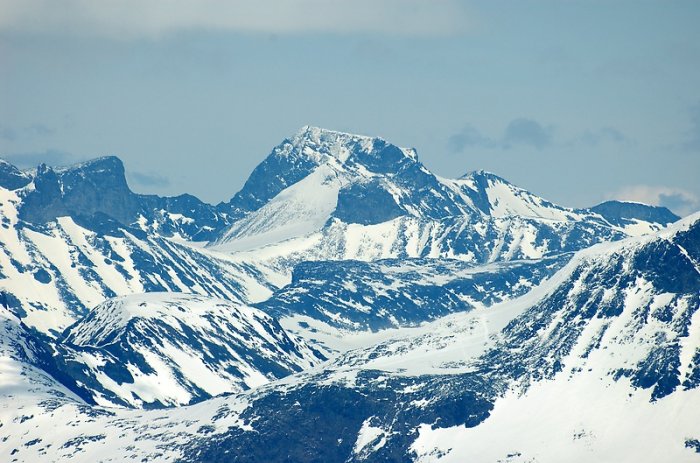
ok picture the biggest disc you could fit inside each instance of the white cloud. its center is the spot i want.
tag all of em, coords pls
(680, 201)
(155, 18)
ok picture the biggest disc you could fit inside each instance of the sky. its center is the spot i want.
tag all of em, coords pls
(577, 101)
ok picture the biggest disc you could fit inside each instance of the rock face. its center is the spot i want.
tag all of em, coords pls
(97, 189)
(366, 203)
(97, 186)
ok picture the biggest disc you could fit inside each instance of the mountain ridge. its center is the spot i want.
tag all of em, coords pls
(376, 312)
(110, 241)
(295, 157)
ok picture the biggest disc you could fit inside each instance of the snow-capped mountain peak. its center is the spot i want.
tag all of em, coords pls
(332, 191)
(319, 143)
(316, 141)
(495, 196)
(298, 156)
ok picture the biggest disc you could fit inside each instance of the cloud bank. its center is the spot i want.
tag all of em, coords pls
(29, 132)
(527, 132)
(127, 19)
(519, 132)
(524, 131)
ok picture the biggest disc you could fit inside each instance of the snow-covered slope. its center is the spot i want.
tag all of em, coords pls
(325, 195)
(497, 197)
(635, 218)
(40, 420)
(635, 302)
(615, 330)
(298, 210)
(166, 349)
(610, 361)
(605, 351)
(51, 274)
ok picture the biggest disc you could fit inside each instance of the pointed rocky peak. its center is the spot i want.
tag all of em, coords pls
(479, 182)
(46, 181)
(43, 170)
(483, 175)
(483, 180)
(298, 156)
(11, 177)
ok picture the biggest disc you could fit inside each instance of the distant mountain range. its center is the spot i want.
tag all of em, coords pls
(346, 305)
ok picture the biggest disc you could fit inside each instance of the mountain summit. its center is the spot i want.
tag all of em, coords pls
(337, 184)
(297, 157)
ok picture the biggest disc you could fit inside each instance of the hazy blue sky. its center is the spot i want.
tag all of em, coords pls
(575, 101)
